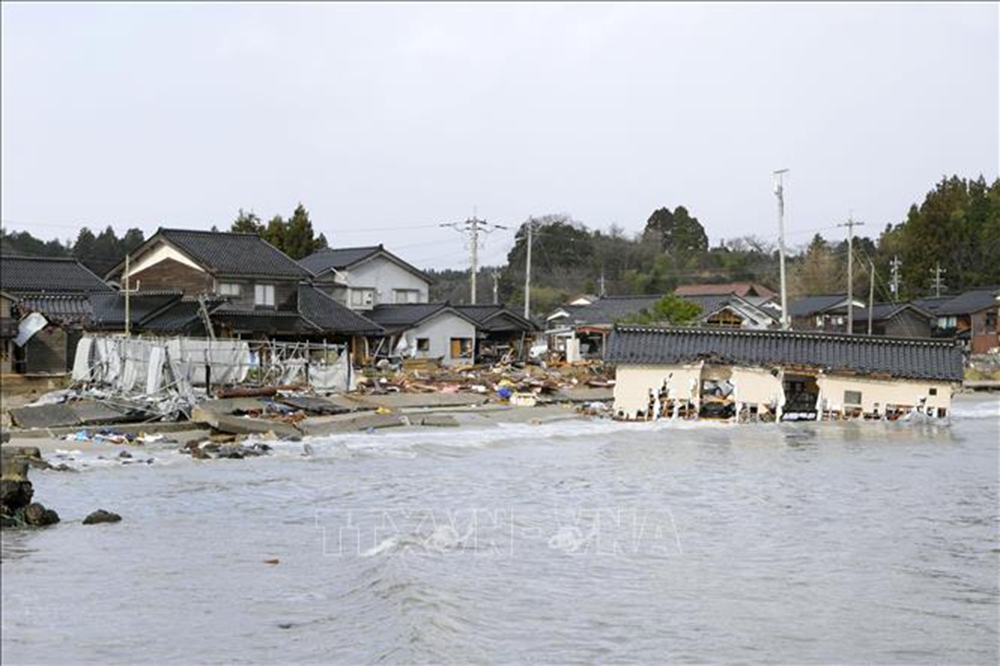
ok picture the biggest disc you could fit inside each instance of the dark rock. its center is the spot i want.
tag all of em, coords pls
(124, 454)
(14, 494)
(37, 515)
(101, 516)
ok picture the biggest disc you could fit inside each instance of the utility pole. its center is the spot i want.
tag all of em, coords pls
(779, 191)
(473, 227)
(850, 224)
(602, 283)
(128, 310)
(871, 294)
(527, 273)
(894, 284)
(496, 287)
(938, 283)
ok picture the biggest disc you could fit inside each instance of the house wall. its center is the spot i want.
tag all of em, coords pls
(155, 255)
(440, 330)
(902, 392)
(172, 274)
(6, 356)
(985, 338)
(48, 350)
(757, 386)
(634, 382)
(906, 324)
(384, 276)
(285, 292)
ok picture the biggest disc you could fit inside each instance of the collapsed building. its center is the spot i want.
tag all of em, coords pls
(778, 375)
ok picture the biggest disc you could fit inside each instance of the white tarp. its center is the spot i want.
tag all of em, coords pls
(28, 326)
(150, 365)
(81, 362)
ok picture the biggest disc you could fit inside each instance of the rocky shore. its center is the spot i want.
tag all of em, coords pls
(16, 492)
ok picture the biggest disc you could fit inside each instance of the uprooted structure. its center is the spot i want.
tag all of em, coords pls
(775, 375)
(166, 377)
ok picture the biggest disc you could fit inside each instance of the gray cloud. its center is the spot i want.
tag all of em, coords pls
(402, 115)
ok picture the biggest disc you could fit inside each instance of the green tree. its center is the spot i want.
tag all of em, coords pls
(678, 232)
(247, 223)
(299, 239)
(668, 310)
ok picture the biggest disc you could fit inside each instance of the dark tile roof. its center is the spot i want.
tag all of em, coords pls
(931, 303)
(345, 257)
(883, 311)
(405, 315)
(109, 309)
(267, 322)
(496, 318)
(61, 309)
(225, 253)
(608, 309)
(900, 357)
(812, 305)
(338, 258)
(739, 288)
(20, 274)
(182, 317)
(330, 316)
(969, 302)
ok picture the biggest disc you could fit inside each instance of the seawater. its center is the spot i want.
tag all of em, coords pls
(567, 542)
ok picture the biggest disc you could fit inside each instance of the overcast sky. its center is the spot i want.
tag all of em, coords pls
(385, 120)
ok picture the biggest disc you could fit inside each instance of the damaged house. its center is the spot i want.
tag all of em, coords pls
(244, 286)
(778, 375)
(51, 305)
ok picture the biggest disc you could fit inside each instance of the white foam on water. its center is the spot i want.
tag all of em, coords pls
(977, 410)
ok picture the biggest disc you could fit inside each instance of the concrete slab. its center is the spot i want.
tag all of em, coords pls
(92, 412)
(579, 394)
(314, 405)
(45, 416)
(234, 405)
(241, 425)
(413, 400)
(437, 421)
(354, 424)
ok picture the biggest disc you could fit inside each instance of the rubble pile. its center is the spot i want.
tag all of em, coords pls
(501, 381)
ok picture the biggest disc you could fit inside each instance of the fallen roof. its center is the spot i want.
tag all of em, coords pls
(330, 316)
(20, 274)
(863, 354)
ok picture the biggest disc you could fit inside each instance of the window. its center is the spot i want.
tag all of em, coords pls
(947, 322)
(423, 344)
(461, 347)
(229, 289)
(406, 295)
(362, 297)
(933, 390)
(852, 397)
(991, 321)
(263, 295)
